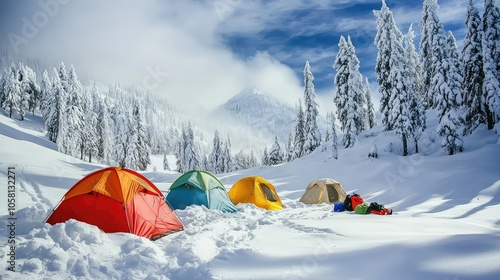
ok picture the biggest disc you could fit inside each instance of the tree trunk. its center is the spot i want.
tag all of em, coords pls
(405, 145)
(416, 146)
(90, 156)
(490, 118)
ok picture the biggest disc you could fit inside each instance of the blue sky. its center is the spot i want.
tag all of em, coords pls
(204, 52)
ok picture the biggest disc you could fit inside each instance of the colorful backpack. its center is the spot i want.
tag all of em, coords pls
(379, 209)
(361, 209)
(351, 201)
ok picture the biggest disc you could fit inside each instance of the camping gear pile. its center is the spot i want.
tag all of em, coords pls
(355, 203)
(121, 200)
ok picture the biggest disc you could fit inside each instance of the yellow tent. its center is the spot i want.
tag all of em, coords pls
(256, 190)
(323, 190)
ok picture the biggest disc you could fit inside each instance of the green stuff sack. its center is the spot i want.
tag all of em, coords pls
(361, 209)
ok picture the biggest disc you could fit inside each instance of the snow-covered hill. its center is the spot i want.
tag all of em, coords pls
(446, 224)
(262, 113)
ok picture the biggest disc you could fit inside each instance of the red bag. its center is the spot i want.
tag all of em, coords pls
(356, 200)
(383, 211)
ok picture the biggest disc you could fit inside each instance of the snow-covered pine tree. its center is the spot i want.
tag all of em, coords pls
(385, 40)
(349, 96)
(12, 90)
(265, 157)
(72, 129)
(121, 140)
(299, 138)
(312, 135)
(24, 96)
(400, 114)
(228, 159)
(56, 107)
(2, 87)
(430, 27)
(491, 61)
(253, 160)
(90, 138)
(334, 153)
(63, 76)
(289, 148)
(138, 155)
(166, 166)
(370, 109)
(472, 56)
(446, 85)
(30, 91)
(454, 55)
(276, 154)
(45, 95)
(241, 161)
(181, 149)
(192, 151)
(415, 98)
(216, 157)
(104, 129)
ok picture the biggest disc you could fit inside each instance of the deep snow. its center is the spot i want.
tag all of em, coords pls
(446, 226)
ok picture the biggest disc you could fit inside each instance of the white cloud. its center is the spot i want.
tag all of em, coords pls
(169, 47)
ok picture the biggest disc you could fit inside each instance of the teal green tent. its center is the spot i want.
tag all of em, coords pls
(199, 188)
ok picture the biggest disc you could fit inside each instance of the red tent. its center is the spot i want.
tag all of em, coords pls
(118, 200)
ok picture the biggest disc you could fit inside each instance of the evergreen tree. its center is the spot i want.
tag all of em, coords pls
(265, 157)
(45, 95)
(253, 160)
(386, 40)
(415, 98)
(289, 148)
(70, 131)
(75, 115)
(400, 113)
(334, 153)
(276, 154)
(312, 135)
(181, 148)
(430, 27)
(228, 159)
(299, 138)
(165, 163)
(31, 87)
(349, 96)
(104, 129)
(446, 85)
(2, 87)
(191, 153)
(216, 157)
(370, 117)
(30, 91)
(491, 61)
(121, 138)
(472, 86)
(57, 107)
(12, 91)
(138, 155)
(241, 161)
(454, 55)
(63, 76)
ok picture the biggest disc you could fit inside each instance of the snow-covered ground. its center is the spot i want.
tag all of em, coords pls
(446, 223)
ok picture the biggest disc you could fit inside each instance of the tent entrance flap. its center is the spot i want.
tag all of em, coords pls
(332, 193)
(268, 193)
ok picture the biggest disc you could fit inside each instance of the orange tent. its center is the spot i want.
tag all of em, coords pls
(117, 200)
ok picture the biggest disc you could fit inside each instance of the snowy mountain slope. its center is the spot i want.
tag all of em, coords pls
(447, 224)
(262, 113)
